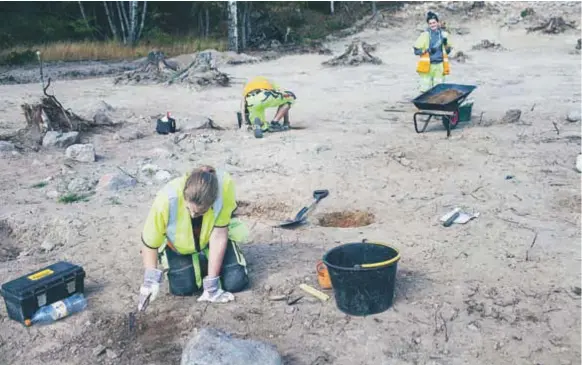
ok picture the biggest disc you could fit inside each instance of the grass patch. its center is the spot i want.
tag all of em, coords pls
(106, 51)
(39, 185)
(73, 198)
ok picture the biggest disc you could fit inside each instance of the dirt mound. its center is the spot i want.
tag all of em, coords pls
(346, 219)
(444, 97)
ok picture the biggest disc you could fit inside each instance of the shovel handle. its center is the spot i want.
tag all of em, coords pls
(320, 194)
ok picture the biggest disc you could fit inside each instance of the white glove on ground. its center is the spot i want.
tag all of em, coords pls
(212, 293)
(150, 287)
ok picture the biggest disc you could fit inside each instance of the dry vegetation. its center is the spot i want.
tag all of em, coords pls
(101, 51)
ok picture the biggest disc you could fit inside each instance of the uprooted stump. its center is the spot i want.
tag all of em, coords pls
(487, 44)
(201, 72)
(356, 53)
(554, 25)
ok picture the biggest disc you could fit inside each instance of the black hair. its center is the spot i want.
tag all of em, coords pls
(431, 15)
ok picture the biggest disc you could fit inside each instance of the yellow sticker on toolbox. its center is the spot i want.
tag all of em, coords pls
(41, 274)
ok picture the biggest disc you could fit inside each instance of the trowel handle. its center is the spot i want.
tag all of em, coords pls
(320, 194)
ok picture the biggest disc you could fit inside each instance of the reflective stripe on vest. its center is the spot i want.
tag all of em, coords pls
(423, 65)
(173, 203)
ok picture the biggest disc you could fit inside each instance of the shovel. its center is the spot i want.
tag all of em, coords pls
(301, 216)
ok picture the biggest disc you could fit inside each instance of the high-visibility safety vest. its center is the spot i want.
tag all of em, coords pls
(258, 83)
(423, 65)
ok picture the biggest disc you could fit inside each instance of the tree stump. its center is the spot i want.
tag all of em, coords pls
(554, 25)
(158, 70)
(356, 53)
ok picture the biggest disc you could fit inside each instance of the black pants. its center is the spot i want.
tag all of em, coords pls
(182, 277)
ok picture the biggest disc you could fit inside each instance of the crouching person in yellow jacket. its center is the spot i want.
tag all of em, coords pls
(260, 94)
(433, 46)
(189, 230)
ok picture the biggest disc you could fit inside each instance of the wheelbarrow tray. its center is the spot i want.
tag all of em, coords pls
(421, 101)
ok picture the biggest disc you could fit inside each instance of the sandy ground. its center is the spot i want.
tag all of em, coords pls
(479, 293)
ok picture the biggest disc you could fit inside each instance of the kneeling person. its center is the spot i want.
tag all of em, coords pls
(189, 229)
(260, 94)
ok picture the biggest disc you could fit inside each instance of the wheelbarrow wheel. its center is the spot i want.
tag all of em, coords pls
(452, 121)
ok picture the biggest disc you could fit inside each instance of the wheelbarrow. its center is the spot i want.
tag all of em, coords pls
(446, 110)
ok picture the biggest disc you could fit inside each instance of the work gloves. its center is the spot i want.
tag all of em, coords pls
(150, 288)
(213, 293)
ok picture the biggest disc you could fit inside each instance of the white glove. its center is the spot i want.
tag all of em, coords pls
(212, 293)
(150, 287)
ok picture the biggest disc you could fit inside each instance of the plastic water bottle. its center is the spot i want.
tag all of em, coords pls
(63, 308)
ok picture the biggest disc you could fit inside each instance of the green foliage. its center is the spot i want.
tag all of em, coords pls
(18, 58)
(39, 185)
(73, 198)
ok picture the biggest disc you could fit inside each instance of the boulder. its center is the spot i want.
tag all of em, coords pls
(573, 116)
(209, 346)
(59, 139)
(511, 116)
(81, 152)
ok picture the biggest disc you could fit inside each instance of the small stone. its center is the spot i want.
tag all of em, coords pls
(99, 350)
(111, 354)
(81, 152)
(499, 345)
(417, 340)
(473, 327)
(60, 139)
(322, 148)
(6, 146)
(579, 163)
(267, 288)
(73, 349)
(114, 182)
(513, 20)
(163, 176)
(574, 116)
(511, 116)
(48, 246)
(405, 162)
(577, 290)
(290, 310)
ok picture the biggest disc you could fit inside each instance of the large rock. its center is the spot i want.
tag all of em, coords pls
(81, 152)
(59, 139)
(114, 182)
(511, 116)
(213, 347)
(574, 116)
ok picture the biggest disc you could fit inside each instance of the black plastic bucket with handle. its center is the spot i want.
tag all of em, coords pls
(363, 276)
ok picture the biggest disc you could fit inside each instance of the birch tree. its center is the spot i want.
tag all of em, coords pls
(128, 19)
(232, 26)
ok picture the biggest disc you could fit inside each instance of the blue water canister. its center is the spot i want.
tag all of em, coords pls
(63, 308)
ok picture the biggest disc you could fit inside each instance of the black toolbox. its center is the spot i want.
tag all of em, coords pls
(25, 295)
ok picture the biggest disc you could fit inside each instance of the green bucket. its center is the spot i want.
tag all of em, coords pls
(465, 111)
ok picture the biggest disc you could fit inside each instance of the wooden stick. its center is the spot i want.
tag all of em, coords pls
(316, 293)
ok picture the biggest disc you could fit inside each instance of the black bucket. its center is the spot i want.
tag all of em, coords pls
(363, 276)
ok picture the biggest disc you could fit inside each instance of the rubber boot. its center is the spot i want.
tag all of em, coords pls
(275, 127)
(286, 125)
(257, 127)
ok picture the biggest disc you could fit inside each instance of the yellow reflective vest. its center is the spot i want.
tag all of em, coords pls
(423, 65)
(170, 220)
(259, 83)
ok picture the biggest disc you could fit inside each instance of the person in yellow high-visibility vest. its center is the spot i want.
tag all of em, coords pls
(260, 94)
(191, 232)
(433, 46)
